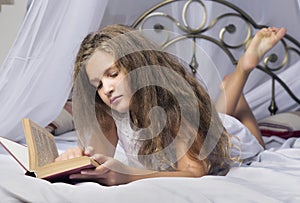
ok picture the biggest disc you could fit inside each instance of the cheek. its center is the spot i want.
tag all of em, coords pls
(125, 86)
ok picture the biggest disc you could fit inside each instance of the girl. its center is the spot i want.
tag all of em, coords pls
(128, 91)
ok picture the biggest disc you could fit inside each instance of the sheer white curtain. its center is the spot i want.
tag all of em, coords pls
(35, 78)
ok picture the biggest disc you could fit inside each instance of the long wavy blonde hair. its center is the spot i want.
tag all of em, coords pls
(191, 120)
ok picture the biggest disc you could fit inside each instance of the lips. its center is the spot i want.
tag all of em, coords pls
(114, 100)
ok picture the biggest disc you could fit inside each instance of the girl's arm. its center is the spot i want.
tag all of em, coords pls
(106, 142)
(112, 172)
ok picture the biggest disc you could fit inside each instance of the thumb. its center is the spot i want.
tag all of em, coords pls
(89, 151)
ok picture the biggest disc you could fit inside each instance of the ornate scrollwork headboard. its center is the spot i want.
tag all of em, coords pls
(207, 25)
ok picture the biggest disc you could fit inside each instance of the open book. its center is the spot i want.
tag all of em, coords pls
(39, 155)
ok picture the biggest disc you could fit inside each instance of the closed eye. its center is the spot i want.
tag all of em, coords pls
(114, 74)
(110, 73)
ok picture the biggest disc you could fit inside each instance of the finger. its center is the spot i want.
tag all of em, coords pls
(86, 177)
(89, 151)
(74, 152)
(99, 172)
(281, 32)
(79, 177)
(61, 157)
(100, 158)
(69, 154)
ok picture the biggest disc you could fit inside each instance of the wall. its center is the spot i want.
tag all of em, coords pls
(11, 17)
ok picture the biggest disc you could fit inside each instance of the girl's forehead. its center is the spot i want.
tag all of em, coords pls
(101, 59)
(98, 63)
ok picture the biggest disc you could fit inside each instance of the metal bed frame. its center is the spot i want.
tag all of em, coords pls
(288, 43)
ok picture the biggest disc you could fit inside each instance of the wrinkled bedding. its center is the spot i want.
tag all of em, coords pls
(272, 176)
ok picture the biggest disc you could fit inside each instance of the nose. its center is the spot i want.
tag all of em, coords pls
(108, 86)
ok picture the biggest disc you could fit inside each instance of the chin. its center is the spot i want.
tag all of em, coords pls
(121, 109)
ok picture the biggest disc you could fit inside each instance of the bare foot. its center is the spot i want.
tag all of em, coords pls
(262, 42)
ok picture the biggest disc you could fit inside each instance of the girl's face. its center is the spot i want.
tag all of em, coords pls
(109, 80)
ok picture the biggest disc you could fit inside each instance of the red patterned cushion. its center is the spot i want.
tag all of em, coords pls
(284, 125)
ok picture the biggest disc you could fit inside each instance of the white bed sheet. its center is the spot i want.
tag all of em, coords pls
(274, 176)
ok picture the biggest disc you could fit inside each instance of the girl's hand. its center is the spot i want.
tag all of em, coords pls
(75, 152)
(109, 172)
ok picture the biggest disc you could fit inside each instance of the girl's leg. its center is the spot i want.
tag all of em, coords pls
(231, 100)
(245, 115)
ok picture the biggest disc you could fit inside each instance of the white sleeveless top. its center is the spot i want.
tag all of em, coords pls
(127, 141)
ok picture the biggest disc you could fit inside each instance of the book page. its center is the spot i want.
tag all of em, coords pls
(18, 151)
(45, 145)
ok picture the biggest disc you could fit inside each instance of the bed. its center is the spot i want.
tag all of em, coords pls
(271, 175)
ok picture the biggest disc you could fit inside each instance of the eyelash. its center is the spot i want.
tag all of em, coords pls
(113, 75)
